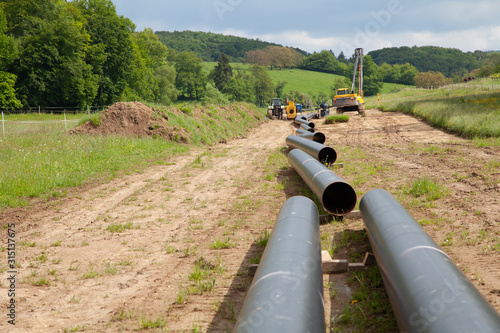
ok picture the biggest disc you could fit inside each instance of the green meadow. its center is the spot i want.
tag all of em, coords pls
(40, 159)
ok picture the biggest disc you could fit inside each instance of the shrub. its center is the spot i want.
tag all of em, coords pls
(336, 118)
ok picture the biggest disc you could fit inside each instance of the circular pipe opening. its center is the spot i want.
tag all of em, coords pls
(311, 124)
(327, 155)
(339, 198)
(319, 137)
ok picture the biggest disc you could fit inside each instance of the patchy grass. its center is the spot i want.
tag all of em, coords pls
(221, 244)
(117, 227)
(336, 118)
(147, 324)
(369, 306)
(426, 188)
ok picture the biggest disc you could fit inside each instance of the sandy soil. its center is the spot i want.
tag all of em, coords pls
(118, 256)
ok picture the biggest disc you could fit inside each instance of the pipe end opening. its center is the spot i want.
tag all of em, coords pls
(319, 137)
(339, 198)
(327, 155)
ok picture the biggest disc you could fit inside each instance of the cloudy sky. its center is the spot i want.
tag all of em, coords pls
(315, 25)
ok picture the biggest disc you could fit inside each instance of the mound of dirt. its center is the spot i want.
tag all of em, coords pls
(133, 119)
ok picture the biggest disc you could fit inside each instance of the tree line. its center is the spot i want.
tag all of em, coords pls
(209, 46)
(59, 53)
(451, 62)
(78, 53)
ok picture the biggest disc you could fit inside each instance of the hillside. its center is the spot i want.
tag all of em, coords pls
(450, 62)
(209, 46)
(304, 81)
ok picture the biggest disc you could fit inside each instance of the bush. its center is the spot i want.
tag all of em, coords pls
(96, 120)
(214, 96)
(336, 118)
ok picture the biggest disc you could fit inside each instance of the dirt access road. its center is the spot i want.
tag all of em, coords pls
(169, 247)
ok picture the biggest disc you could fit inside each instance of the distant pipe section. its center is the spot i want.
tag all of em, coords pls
(336, 196)
(286, 294)
(306, 128)
(317, 136)
(427, 291)
(322, 153)
(304, 121)
(313, 115)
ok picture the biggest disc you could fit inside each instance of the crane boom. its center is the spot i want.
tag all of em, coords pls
(358, 61)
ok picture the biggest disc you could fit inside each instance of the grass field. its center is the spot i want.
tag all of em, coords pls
(39, 158)
(472, 110)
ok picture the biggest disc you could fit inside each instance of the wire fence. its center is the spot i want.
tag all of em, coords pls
(16, 127)
(54, 110)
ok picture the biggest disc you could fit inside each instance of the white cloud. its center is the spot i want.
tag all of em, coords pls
(481, 38)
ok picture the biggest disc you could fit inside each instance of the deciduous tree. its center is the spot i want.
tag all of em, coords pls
(111, 51)
(263, 85)
(190, 79)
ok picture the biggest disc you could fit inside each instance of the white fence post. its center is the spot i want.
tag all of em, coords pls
(3, 125)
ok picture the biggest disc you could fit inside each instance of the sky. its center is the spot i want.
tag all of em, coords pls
(315, 25)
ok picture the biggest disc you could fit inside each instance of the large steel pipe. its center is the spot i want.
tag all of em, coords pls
(286, 294)
(317, 136)
(427, 291)
(306, 128)
(322, 153)
(311, 115)
(304, 121)
(337, 197)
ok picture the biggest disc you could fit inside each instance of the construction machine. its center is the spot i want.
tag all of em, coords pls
(291, 110)
(346, 100)
(275, 110)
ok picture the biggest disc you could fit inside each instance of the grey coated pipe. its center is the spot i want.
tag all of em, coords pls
(427, 291)
(337, 196)
(304, 121)
(322, 153)
(311, 115)
(317, 136)
(286, 294)
(306, 128)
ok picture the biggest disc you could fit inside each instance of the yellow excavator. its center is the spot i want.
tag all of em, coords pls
(346, 100)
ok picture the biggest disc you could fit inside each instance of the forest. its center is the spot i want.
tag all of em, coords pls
(450, 62)
(58, 53)
(209, 46)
